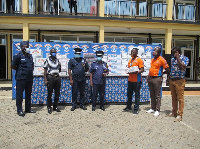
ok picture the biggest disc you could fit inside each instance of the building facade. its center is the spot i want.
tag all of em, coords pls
(167, 22)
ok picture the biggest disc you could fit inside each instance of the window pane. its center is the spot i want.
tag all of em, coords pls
(2, 39)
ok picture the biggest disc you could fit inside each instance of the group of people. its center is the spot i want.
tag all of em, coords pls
(77, 66)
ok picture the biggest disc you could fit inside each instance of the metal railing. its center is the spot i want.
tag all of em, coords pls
(118, 8)
(112, 8)
(185, 12)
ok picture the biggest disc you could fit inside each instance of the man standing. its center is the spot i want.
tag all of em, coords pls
(98, 72)
(23, 64)
(72, 3)
(78, 66)
(177, 82)
(52, 68)
(134, 81)
(154, 79)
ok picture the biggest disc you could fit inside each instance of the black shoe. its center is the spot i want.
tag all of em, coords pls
(127, 109)
(49, 110)
(83, 107)
(135, 111)
(73, 108)
(93, 108)
(102, 108)
(56, 109)
(21, 114)
(29, 111)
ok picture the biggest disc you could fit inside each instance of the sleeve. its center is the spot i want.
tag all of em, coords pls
(140, 63)
(107, 67)
(45, 64)
(59, 65)
(185, 60)
(86, 65)
(129, 63)
(91, 68)
(70, 64)
(16, 60)
(164, 63)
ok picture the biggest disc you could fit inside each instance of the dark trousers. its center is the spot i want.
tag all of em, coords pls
(154, 84)
(98, 88)
(133, 86)
(54, 83)
(72, 4)
(81, 86)
(22, 85)
(10, 4)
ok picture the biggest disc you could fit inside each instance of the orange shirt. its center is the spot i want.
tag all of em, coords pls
(136, 62)
(157, 66)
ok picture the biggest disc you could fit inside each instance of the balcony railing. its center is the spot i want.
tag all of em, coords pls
(184, 12)
(113, 8)
(124, 8)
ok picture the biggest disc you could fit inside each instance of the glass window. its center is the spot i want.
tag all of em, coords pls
(123, 40)
(87, 39)
(51, 38)
(2, 39)
(18, 38)
(70, 39)
(108, 39)
(140, 40)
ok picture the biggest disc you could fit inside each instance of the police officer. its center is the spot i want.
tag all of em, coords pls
(98, 72)
(23, 64)
(78, 66)
(52, 67)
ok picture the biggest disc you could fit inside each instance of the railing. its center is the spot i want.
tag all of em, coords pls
(185, 12)
(13, 6)
(113, 8)
(124, 8)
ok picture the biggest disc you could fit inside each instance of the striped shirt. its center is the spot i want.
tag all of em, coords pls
(52, 65)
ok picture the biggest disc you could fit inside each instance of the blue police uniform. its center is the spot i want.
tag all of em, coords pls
(24, 79)
(99, 81)
(78, 66)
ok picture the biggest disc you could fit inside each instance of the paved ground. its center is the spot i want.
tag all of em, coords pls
(111, 129)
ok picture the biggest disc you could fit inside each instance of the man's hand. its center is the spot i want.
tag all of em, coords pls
(177, 55)
(71, 82)
(147, 78)
(46, 82)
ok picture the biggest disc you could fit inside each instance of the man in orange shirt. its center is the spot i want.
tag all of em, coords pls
(134, 81)
(154, 79)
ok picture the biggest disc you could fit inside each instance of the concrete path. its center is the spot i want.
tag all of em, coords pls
(110, 129)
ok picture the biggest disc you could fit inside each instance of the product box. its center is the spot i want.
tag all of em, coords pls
(38, 71)
(132, 69)
(36, 52)
(39, 62)
(114, 56)
(62, 74)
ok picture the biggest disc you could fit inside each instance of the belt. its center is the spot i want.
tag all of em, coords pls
(174, 79)
(54, 75)
(155, 76)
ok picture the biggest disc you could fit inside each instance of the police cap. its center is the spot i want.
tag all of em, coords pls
(22, 43)
(77, 50)
(99, 53)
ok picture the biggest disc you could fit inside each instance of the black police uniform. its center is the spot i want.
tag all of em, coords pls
(24, 79)
(99, 81)
(78, 66)
(53, 67)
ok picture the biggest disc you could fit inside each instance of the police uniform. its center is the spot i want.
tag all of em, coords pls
(97, 69)
(53, 67)
(78, 66)
(24, 79)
